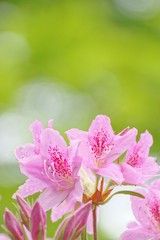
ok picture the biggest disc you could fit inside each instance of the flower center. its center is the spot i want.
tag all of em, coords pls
(57, 166)
(136, 159)
(155, 210)
(100, 145)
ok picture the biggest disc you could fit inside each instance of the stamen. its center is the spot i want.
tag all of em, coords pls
(100, 144)
(56, 166)
(136, 159)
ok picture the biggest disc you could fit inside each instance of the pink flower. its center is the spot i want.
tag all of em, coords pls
(73, 225)
(138, 166)
(147, 213)
(100, 147)
(51, 167)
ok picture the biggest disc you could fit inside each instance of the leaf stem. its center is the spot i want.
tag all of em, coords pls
(132, 193)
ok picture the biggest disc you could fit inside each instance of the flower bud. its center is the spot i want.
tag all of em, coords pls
(12, 225)
(38, 221)
(25, 211)
(73, 226)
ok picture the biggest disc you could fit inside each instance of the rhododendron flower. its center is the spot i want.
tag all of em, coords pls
(100, 147)
(51, 167)
(138, 166)
(147, 213)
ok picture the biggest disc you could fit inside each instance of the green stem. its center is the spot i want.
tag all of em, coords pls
(97, 181)
(84, 234)
(101, 186)
(94, 212)
(110, 183)
(132, 193)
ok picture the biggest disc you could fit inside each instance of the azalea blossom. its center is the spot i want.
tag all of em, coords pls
(147, 214)
(99, 147)
(52, 169)
(138, 166)
(70, 179)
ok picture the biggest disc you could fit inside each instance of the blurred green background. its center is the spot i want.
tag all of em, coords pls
(70, 60)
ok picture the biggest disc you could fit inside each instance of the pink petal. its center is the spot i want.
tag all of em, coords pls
(33, 168)
(4, 237)
(147, 139)
(101, 122)
(146, 212)
(76, 134)
(143, 144)
(29, 188)
(36, 128)
(135, 234)
(86, 155)
(111, 171)
(135, 175)
(132, 225)
(139, 209)
(50, 123)
(76, 192)
(59, 210)
(74, 158)
(155, 184)
(24, 151)
(83, 148)
(130, 174)
(51, 138)
(74, 196)
(122, 143)
(30, 163)
(50, 198)
(150, 168)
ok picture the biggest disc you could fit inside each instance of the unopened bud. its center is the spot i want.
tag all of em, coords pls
(38, 220)
(12, 225)
(73, 226)
(25, 211)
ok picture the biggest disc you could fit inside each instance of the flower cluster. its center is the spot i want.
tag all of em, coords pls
(76, 179)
